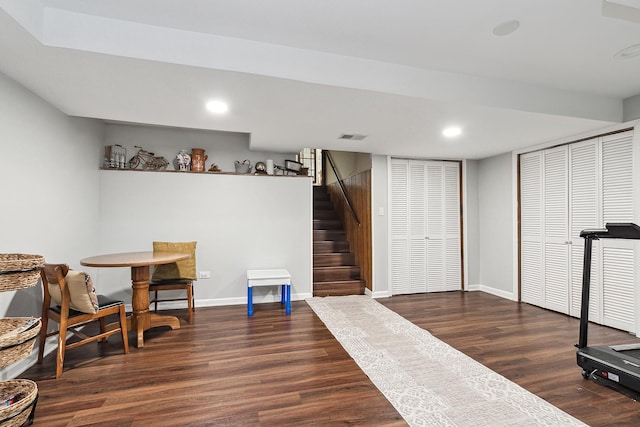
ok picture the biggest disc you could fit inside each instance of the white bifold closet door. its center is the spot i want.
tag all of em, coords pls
(618, 256)
(564, 190)
(556, 229)
(425, 226)
(584, 212)
(531, 230)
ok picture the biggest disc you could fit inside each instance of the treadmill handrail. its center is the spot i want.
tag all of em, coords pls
(614, 230)
(594, 232)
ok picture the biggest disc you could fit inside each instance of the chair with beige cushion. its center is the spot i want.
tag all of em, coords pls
(175, 276)
(75, 304)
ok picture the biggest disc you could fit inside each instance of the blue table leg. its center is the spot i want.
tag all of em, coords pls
(250, 301)
(288, 300)
(283, 295)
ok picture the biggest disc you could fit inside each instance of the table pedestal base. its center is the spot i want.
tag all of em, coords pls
(141, 319)
(152, 320)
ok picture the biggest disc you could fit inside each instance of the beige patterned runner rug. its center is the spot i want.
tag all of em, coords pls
(429, 382)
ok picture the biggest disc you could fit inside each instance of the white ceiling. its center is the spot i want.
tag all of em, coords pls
(301, 73)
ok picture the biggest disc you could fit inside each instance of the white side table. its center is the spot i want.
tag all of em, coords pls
(276, 277)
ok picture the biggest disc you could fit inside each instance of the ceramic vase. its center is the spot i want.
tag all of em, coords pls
(198, 159)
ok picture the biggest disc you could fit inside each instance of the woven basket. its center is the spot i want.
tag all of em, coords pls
(17, 338)
(19, 271)
(23, 408)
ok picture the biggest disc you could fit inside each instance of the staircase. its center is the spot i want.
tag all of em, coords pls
(334, 269)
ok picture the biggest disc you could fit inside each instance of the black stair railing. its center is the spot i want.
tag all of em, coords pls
(342, 188)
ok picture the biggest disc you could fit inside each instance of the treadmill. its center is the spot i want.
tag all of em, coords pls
(617, 365)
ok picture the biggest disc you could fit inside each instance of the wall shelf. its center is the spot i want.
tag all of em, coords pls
(204, 173)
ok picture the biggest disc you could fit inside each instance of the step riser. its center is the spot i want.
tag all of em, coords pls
(325, 215)
(338, 289)
(327, 224)
(319, 235)
(333, 260)
(321, 205)
(332, 274)
(327, 247)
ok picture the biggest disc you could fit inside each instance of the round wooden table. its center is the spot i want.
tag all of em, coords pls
(141, 319)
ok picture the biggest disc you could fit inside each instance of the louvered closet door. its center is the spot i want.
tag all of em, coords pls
(435, 228)
(556, 233)
(531, 265)
(584, 212)
(417, 228)
(425, 206)
(443, 226)
(451, 223)
(618, 256)
(399, 256)
(599, 190)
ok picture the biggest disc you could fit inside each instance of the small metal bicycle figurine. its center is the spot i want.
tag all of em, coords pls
(148, 160)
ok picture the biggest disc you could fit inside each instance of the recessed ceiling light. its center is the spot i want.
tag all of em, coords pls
(452, 131)
(217, 107)
(506, 28)
(629, 52)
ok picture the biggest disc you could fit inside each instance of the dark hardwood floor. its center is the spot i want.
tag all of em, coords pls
(530, 346)
(225, 369)
(273, 369)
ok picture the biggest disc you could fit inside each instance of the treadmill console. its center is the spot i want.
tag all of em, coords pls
(623, 230)
(614, 230)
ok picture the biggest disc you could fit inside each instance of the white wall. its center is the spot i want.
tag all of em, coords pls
(380, 226)
(49, 186)
(470, 216)
(495, 225)
(348, 164)
(240, 222)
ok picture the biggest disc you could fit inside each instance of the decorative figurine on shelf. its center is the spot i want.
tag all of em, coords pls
(261, 168)
(198, 159)
(115, 156)
(147, 160)
(214, 168)
(184, 160)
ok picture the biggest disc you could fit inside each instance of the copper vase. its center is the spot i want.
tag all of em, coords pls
(198, 159)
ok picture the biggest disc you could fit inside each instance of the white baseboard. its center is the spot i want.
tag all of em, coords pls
(384, 294)
(493, 291)
(215, 302)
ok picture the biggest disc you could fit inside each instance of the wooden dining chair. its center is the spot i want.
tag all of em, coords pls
(75, 304)
(176, 275)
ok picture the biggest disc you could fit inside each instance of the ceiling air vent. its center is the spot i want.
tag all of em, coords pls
(352, 136)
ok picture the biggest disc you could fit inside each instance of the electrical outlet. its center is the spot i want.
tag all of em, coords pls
(204, 275)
